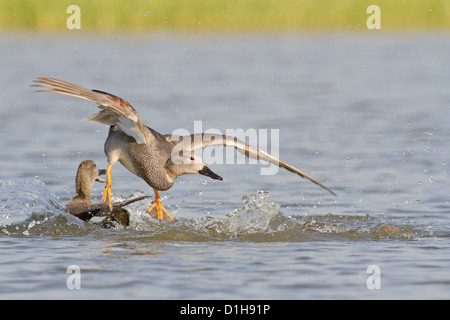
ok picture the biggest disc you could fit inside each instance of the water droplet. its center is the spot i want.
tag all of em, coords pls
(31, 224)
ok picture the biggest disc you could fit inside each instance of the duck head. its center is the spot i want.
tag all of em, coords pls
(87, 174)
(188, 163)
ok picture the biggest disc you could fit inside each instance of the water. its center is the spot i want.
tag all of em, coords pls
(365, 113)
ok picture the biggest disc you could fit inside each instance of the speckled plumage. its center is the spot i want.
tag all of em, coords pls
(145, 161)
(147, 153)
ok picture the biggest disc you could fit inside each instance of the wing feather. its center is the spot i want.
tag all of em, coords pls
(114, 110)
(197, 141)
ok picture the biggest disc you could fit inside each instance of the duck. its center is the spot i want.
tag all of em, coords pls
(158, 159)
(82, 207)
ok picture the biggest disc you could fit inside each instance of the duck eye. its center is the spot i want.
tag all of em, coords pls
(192, 158)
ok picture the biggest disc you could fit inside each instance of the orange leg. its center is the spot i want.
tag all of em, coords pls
(107, 192)
(159, 207)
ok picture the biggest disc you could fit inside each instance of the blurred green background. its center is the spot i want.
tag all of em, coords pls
(224, 15)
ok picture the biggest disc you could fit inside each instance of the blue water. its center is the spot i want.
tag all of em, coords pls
(366, 114)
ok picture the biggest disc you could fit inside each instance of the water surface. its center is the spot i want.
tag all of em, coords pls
(365, 114)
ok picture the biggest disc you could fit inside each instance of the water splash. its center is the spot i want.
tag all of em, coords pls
(260, 220)
(28, 207)
(254, 217)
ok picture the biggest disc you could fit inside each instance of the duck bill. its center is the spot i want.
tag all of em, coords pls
(207, 172)
(101, 172)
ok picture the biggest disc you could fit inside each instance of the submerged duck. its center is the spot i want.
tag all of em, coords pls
(81, 205)
(157, 159)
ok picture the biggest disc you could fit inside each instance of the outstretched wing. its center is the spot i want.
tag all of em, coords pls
(114, 110)
(202, 140)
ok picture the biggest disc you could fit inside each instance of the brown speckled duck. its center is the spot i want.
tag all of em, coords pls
(157, 159)
(81, 205)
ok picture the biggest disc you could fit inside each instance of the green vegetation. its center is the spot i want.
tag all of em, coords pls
(227, 15)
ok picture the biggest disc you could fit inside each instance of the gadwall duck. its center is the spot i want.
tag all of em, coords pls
(157, 159)
(81, 205)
